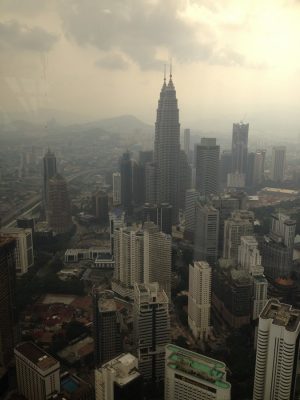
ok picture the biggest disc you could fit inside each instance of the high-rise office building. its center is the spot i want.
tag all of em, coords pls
(151, 323)
(160, 214)
(157, 257)
(59, 206)
(277, 356)
(277, 247)
(150, 176)
(278, 163)
(236, 180)
(250, 169)
(249, 259)
(191, 197)
(129, 260)
(142, 182)
(206, 233)
(185, 178)
(255, 168)
(49, 171)
(199, 304)
(138, 183)
(231, 294)
(225, 167)
(239, 224)
(207, 155)
(100, 206)
(119, 379)
(239, 156)
(167, 147)
(225, 203)
(7, 299)
(106, 327)
(145, 156)
(126, 171)
(186, 142)
(116, 220)
(116, 188)
(239, 149)
(24, 257)
(193, 376)
(38, 373)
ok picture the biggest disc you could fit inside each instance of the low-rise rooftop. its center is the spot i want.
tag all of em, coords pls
(36, 355)
(198, 365)
(126, 368)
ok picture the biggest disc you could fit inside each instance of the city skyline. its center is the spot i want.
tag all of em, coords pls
(149, 261)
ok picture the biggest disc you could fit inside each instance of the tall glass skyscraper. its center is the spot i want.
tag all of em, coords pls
(167, 147)
(49, 171)
(239, 148)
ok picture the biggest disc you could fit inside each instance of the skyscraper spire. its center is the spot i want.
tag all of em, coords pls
(164, 84)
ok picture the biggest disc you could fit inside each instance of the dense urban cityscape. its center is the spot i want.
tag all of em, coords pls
(147, 261)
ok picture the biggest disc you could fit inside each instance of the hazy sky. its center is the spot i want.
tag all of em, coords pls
(232, 59)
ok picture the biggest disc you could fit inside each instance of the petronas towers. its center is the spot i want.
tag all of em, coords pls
(167, 147)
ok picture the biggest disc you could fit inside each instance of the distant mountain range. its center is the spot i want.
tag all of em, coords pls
(121, 125)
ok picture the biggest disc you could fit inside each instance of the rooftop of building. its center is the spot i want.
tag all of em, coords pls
(282, 315)
(280, 190)
(250, 240)
(242, 215)
(75, 352)
(107, 305)
(117, 213)
(151, 293)
(201, 264)
(260, 278)
(125, 366)
(36, 355)
(283, 218)
(240, 277)
(15, 231)
(198, 365)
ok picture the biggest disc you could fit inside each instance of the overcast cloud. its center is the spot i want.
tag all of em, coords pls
(140, 29)
(22, 37)
(230, 58)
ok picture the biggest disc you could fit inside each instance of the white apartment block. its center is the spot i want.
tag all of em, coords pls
(283, 229)
(116, 220)
(249, 259)
(157, 257)
(38, 373)
(151, 323)
(24, 247)
(199, 303)
(239, 224)
(192, 376)
(249, 256)
(129, 260)
(277, 356)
